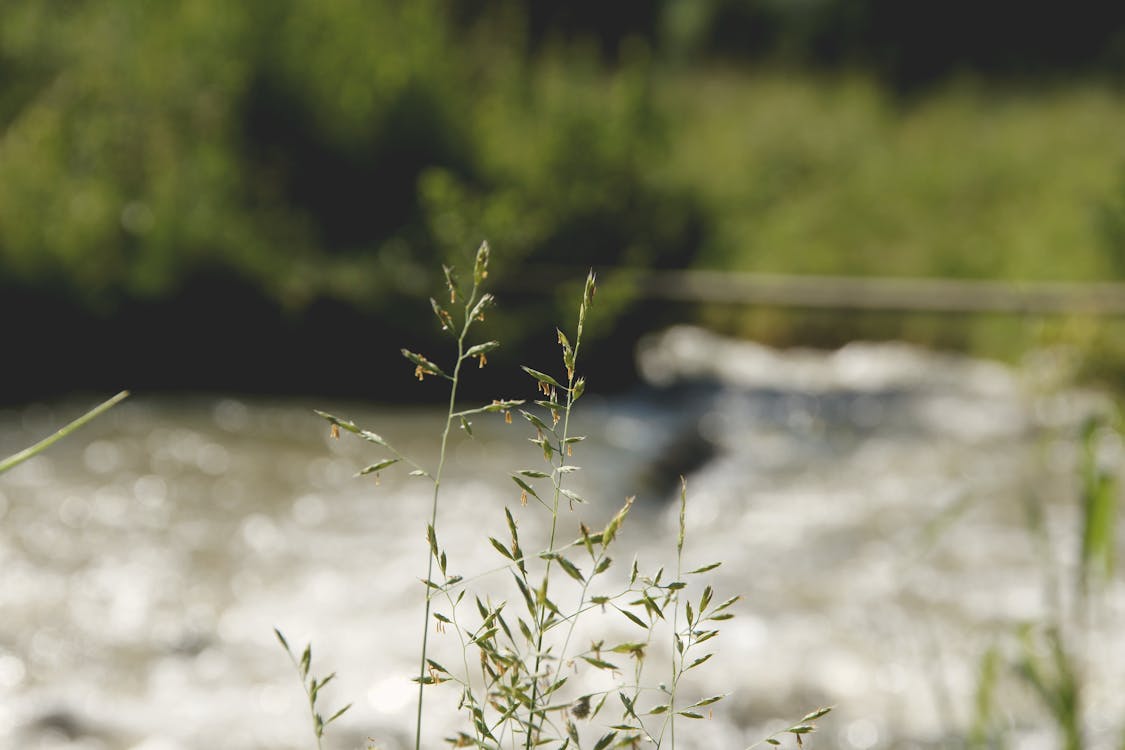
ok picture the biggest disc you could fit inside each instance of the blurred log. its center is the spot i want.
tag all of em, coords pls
(879, 293)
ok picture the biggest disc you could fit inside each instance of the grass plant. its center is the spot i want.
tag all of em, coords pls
(18, 458)
(538, 680)
(312, 687)
(1051, 658)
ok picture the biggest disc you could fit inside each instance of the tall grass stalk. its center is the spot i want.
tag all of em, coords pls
(18, 458)
(476, 303)
(474, 309)
(677, 643)
(573, 390)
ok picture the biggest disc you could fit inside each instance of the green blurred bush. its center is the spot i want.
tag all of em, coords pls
(314, 160)
(319, 156)
(315, 146)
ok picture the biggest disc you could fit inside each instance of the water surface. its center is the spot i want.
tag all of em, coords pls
(870, 505)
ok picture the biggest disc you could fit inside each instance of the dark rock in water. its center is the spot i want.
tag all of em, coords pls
(666, 434)
(679, 454)
(61, 723)
(191, 644)
(64, 725)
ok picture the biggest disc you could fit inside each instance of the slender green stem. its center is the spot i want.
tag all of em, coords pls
(574, 618)
(450, 413)
(42, 445)
(541, 620)
(430, 563)
(677, 670)
(467, 685)
(541, 623)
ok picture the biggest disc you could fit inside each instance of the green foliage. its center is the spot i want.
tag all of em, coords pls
(327, 148)
(832, 176)
(334, 151)
(1050, 657)
(1099, 512)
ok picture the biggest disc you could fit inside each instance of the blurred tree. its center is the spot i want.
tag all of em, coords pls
(197, 174)
(311, 155)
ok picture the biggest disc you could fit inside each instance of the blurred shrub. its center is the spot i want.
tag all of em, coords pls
(316, 153)
(832, 176)
(303, 164)
(144, 141)
(1113, 223)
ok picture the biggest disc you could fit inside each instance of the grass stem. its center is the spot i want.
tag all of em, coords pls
(18, 458)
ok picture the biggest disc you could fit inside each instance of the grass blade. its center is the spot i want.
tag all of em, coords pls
(18, 458)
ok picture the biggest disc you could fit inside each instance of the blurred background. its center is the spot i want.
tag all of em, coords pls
(239, 210)
(197, 196)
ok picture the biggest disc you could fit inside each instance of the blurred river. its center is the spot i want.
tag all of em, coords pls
(869, 504)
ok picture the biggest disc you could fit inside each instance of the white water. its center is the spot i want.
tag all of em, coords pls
(868, 504)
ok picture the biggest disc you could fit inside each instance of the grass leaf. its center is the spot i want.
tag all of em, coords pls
(633, 618)
(484, 348)
(571, 569)
(810, 716)
(499, 546)
(377, 467)
(699, 661)
(704, 569)
(605, 740)
(542, 377)
(600, 663)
